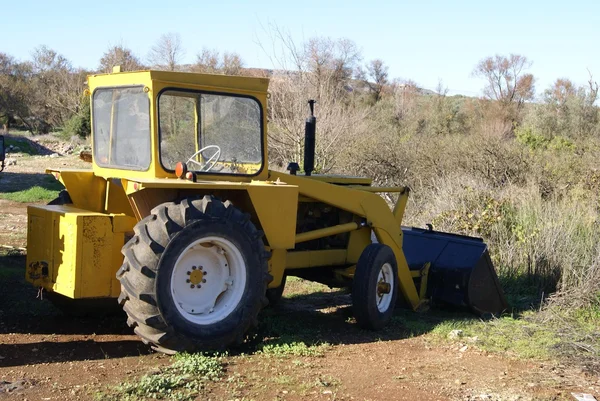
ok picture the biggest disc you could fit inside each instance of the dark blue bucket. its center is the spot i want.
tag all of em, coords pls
(461, 272)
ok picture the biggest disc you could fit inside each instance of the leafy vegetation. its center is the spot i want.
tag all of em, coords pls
(293, 348)
(183, 380)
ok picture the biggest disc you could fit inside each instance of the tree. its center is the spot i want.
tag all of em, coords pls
(375, 78)
(331, 63)
(119, 55)
(318, 69)
(212, 62)
(57, 89)
(507, 83)
(167, 53)
(14, 90)
(406, 96)
(560, 92)
(568, 110)
(506, 80)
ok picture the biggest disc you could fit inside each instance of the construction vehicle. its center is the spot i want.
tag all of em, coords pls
(181, 220)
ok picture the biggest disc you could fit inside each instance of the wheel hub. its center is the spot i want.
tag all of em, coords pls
(196, 276)
(383, 288)
(210, 260)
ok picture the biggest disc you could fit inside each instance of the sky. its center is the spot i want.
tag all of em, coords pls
(426, 41)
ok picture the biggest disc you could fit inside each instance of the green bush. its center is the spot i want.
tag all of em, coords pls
(79, 124)
(529, 138)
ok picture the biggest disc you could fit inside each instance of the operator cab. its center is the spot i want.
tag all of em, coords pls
(214, 125)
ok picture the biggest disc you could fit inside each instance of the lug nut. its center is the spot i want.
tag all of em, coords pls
(188, 273)
(199, 286)
(193, 267)
(192, 286)
(204, 280)
(201, 267)
(187, 281)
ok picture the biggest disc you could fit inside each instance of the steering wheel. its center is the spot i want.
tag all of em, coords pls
(212, 159)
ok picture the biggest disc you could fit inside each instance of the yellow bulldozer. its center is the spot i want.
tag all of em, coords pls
(181, 222)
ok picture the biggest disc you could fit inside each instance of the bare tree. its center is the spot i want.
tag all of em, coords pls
(569, 110)
(406, 96)
(375, 77)
(212, 62)
(319, 69)
(119, 55)
(167, 53)
(331, 63)
(508, 85)
(506, 79)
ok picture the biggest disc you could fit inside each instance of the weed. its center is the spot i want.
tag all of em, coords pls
(296, 348)
(181, 381)
(199, 365)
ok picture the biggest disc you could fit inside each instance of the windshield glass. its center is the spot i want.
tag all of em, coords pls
(121, 128)
(215, 134)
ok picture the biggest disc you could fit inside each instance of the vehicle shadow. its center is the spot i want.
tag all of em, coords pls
(23, 311)
(33, 330)
(326, 317)
(68, 351)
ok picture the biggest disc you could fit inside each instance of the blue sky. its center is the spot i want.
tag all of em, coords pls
(425, 41)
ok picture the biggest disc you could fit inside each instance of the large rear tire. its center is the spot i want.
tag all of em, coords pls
(375, 287)
(194, 276)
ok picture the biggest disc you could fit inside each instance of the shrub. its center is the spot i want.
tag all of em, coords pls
(79, 124)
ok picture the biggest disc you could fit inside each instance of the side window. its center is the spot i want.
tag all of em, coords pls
(121, 128)
(178, 136)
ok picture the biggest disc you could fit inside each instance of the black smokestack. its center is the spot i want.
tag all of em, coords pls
(309, 140)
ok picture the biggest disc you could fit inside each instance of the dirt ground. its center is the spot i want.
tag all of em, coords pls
(45, 355)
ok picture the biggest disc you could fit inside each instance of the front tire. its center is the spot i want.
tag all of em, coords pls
(375, 287)
(194, 276)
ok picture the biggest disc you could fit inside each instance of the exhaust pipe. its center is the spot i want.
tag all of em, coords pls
(309, 140)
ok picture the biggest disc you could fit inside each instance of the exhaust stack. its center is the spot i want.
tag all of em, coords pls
(309, 140)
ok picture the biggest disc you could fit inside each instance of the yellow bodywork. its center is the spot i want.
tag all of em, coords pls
(75, 249)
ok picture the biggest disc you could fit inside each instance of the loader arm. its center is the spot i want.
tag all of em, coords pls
(367, 204)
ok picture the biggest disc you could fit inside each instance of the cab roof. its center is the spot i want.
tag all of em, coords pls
(252, 84)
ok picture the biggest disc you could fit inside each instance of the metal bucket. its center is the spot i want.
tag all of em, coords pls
(461, 272)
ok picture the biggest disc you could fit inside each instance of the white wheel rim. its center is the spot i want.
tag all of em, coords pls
(386, 276)
(208, 280)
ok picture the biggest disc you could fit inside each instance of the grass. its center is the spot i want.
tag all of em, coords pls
(23, 144)
(30, 195)
(520, 336)
(183, 380)
(553, 334)
(29, 188)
